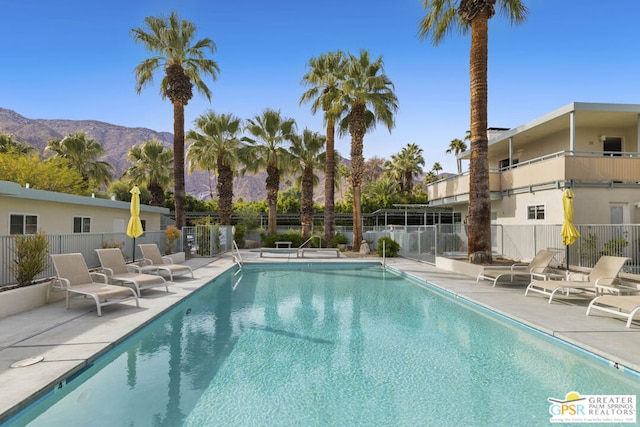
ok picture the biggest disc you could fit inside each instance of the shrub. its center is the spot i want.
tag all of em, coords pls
(294, 237)
(30, 257)
(238, 236)
(391, 247)
(339, 239)
(171, 234)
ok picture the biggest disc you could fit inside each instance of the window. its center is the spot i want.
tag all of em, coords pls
(23, 224)
(535, 212)
(504, 163)
(81, 224)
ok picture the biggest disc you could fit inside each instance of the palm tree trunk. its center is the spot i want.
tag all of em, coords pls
(329, 184)
(306, 205)
(479, 247)
(357, 129)
(273, 183)
(179, 194)
(225, 193)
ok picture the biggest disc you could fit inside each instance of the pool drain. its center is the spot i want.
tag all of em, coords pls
(27, 362)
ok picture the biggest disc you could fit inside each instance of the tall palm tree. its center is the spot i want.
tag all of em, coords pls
(436, 168)
(183, 61)
(216, 148)
(266, 151)
(324, 76)
(456, 147)
(152, 165)
(369, 97)
(442, 17)
(83, 154)
(308, 156)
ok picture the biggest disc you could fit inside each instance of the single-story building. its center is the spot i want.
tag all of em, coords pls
(25, 210)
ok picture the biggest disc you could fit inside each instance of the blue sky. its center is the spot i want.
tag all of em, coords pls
(74, 59)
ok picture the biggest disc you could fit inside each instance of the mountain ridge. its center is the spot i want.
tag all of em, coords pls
(116, 140)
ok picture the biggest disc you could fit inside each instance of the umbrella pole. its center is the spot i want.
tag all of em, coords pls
(567, 261)
(134, 249)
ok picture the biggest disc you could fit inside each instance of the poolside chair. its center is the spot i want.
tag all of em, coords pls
(605, 272)
(621, 305)
(73, 276)
(152, 257)
(535, 268)
(118, 272)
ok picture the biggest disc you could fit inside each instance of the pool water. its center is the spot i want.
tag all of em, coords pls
(326, 344)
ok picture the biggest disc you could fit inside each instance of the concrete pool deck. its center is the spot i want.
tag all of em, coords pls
(69, 340)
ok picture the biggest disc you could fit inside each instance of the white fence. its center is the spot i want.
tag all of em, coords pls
(519, 242)
(86, 243)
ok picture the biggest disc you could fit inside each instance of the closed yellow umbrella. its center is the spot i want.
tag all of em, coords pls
(134, 229)
(569, 232)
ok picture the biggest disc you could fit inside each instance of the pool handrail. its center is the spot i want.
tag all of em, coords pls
(239, 256)
(309, 240)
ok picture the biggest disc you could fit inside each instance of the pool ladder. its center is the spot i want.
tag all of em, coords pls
(237, 257)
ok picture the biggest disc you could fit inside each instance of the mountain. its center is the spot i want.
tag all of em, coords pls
(116, 141)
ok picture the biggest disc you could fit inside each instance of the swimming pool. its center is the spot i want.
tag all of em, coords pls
(325, 344)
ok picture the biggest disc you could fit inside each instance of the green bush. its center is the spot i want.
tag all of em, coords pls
(391, 247)
(339, 239)
(291, 236)
(30, 257)
(238, 236)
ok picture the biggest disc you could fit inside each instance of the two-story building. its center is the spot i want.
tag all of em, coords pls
(591, 148)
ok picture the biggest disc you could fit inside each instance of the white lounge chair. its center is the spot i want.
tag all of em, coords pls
(73, 276)
(605, 272)
(118, 272)
(535, 268)
(152, 257)
(620, 305)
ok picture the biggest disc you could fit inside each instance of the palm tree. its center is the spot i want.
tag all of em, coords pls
(382, 192)
(152, 165)
(368, 96)
(436, 168)
(456, 147)
(183, 61)
(83, 154)
(442, 17)
(265, 151)
(9, 145)
(308, 157)
(406, 165)
(216, 148)
(324, 76)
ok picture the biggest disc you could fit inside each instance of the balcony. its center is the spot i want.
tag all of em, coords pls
(592, 169)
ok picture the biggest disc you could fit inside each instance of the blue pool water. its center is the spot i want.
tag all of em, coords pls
(326, 344)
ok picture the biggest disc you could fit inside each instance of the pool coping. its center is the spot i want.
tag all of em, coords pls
(70, 340)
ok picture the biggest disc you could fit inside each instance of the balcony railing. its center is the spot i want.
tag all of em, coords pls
(581, 167)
